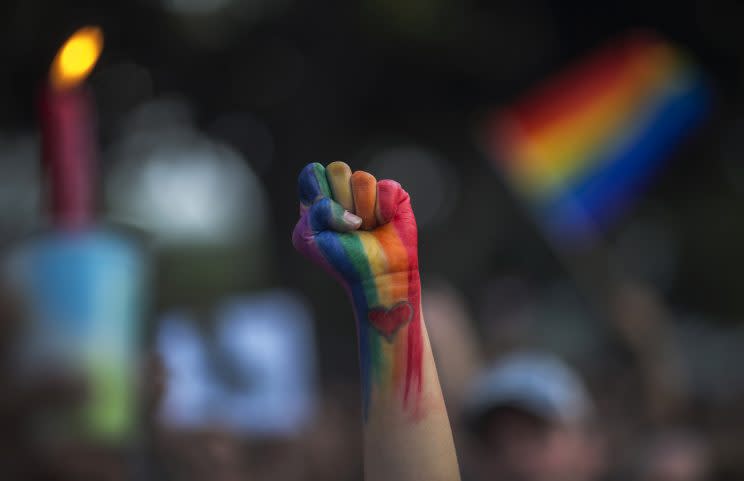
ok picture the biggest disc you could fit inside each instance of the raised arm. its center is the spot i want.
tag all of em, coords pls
(364, 233)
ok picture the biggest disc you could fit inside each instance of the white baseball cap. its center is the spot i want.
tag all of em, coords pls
(536, 383)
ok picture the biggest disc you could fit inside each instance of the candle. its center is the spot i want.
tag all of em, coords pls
(84, 283)
(67, 124)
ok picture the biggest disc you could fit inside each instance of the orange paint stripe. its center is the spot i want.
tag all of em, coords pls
(397, 257)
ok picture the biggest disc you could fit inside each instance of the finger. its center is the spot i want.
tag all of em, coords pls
(364, 191)
(339, 178)
(329, 215)
(312, 184)
(389, 196)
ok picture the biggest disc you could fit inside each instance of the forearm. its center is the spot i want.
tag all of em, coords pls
(364, 233)
(407, 434)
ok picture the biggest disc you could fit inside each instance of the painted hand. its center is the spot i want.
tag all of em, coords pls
(364, 233)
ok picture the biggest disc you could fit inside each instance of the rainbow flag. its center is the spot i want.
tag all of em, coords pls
(581, 146)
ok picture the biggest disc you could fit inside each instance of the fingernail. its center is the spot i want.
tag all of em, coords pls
(351, 219)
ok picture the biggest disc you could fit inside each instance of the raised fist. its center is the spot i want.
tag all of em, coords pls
(364, 232)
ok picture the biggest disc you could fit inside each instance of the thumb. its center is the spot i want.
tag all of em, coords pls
(327, 214)
(324, 215)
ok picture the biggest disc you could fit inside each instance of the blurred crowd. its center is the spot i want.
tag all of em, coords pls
(522, 408)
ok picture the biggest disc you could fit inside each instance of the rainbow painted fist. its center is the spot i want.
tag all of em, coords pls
(364, 232)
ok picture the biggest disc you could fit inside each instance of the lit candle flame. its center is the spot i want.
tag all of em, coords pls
(76, 58)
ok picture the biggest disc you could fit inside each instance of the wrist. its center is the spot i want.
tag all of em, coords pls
(385, 290)
(387, 309)
(399, 292)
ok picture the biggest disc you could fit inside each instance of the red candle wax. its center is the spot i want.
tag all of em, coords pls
(68, 151)
(67, 129)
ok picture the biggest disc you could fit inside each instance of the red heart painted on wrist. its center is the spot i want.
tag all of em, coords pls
(388, 321)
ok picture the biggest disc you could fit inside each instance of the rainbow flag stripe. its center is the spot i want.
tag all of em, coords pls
(579, 147)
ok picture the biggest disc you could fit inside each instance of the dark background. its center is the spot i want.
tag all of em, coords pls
(328, 77)
(342, 80)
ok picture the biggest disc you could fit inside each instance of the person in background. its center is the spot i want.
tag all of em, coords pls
(530, 419)
(453, 339)
(676, 455)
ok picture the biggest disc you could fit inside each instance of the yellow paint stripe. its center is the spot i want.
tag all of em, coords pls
(339, 177)
(378, 265)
